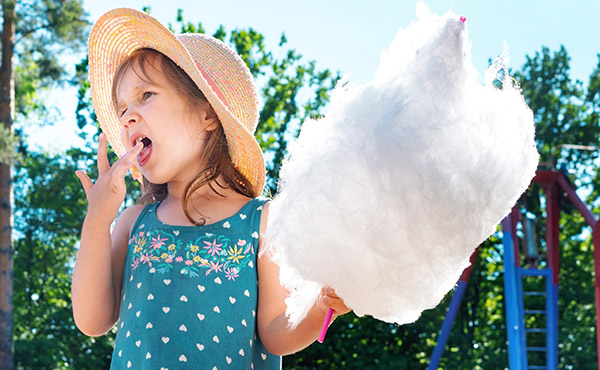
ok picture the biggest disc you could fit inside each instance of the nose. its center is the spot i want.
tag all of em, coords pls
(130, 117)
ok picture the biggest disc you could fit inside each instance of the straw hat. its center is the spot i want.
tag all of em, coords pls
(218, 71)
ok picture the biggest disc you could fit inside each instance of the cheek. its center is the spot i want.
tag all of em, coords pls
(125, 138)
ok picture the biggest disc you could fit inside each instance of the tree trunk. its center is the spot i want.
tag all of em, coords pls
(7, 109)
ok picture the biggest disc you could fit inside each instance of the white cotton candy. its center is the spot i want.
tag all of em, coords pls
(387, 196)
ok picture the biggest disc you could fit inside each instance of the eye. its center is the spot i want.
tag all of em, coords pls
(147, 95)
(122, 113)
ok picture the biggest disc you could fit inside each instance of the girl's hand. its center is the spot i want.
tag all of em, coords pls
(107, 193)
(328, 299)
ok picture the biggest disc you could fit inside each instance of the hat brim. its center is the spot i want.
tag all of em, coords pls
(120, 32)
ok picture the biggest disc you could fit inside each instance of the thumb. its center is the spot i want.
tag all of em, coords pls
(86, 182)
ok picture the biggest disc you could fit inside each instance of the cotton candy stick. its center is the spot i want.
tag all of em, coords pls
(326, 323)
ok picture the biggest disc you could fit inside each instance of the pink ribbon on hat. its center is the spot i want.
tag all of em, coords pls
(213, 86)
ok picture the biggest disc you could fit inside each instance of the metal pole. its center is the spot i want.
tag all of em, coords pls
(457, 297)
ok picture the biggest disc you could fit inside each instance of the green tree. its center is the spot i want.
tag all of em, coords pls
(33, 33)
(50, 207)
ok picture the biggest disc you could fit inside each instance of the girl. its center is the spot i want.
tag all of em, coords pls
(182, 273)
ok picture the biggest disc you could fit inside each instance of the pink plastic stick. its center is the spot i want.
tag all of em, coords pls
(325, 325)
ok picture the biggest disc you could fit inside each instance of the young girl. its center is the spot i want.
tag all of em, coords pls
(181, 273)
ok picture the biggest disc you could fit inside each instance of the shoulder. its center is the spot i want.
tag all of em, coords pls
(127, 219)
(264, 216)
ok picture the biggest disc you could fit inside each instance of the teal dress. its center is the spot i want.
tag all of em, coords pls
(190, 294)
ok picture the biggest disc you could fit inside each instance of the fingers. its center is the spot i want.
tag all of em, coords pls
(86, 182)
(103, 164)
(331, 300)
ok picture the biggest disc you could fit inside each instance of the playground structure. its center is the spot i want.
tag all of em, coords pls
(531, 293)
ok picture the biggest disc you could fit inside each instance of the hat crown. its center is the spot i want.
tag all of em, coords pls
(226, 74)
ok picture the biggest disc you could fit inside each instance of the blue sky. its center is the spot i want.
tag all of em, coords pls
(348, 35)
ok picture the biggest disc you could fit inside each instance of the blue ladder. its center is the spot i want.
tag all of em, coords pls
(549, 311)
(515, 312)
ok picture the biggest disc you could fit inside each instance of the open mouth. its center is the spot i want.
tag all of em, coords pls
(144, 155)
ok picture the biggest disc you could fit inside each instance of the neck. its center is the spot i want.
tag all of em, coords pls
(176, 191)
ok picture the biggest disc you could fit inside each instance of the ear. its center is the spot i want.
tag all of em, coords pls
(209, 118)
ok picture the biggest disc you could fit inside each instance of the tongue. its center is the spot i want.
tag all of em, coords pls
(145, 153)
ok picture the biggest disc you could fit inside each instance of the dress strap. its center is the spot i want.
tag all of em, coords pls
(147, 209)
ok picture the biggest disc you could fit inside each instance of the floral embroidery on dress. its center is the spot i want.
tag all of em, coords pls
(204, 255)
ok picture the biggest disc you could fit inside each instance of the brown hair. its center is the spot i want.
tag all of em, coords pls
(215, 155)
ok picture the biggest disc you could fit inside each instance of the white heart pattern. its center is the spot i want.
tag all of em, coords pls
(242, 216)
(263, 356)
(129, 307)
(137, 314)
(120, 353)
(259, 208)
(150, 296)
(251, 264)
(232, 300)
(200, 346)
(139, 285)
(216, 339)
(241, 352)
(138, 343)
(167, 281)
(201, 316)
(148, 355)
(226, 225)
(183, 328)
(201, 288)
(152, 270)
(182, 358)
(246, 293)
(128, 364)
(229, 329)
(255, 235)
(183, 298)
(176, 232)
(166, 340)
(218, 280)
(128, 334)
(244, 322)
(228, 360)
(166, 309)
(149, 325)
(141, 227)
(217, 309)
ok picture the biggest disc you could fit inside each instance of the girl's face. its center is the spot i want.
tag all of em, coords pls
(173, 134)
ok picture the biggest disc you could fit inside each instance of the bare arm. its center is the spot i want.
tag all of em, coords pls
(98, 271)
(271, 319)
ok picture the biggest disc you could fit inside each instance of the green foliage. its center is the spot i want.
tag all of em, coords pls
(45, 31)
(563, 111)
(50, 207)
